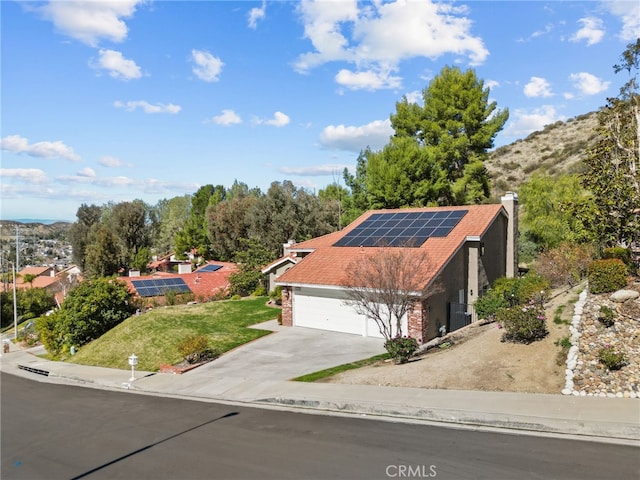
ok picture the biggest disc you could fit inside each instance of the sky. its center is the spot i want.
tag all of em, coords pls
(111, 101)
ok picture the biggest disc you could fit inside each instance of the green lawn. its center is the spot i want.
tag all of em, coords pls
(329, 372)
(153, 336)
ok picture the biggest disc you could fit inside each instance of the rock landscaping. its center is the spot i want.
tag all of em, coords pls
(605, 327)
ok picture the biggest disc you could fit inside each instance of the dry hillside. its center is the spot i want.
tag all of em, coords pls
(557, 149)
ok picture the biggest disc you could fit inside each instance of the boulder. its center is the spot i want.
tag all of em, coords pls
(622, 296)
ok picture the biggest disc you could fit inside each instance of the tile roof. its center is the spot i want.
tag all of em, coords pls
(326, 265)
(203, 284)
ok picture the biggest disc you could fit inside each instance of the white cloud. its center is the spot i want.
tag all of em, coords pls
(523, 122)
(257, 13)
(314, 171)
(208, 67)
(90, 21)
(87, 172)
(538, 87)
(369, 80)
(279, 120)
(588, 84)
(415, 97)
(117, 66)
(18, 144)
(591, 31)
(629, 13)
(108, 161)
(28, 175)
(382, 35)
(147, 107)
(228, 117)
(374, 135)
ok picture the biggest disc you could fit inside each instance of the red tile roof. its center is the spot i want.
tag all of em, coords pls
(204, 285)
(326, 266)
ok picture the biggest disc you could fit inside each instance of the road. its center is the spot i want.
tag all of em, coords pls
(52, 431)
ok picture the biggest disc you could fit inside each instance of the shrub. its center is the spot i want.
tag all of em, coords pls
(280, 317)
(195, 348)
(564, 265)
(260, 291)
(611, 359)
(400, 348)
(523, 323)
(489, 304)
(606, 316)
(276, 295)
(621, 253)
(606, 275)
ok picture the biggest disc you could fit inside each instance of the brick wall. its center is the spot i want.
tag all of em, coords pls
(417, 322)
(287, 307)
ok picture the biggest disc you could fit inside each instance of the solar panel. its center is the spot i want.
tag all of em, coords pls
(401, 229)
(210, 267)
(159, 286)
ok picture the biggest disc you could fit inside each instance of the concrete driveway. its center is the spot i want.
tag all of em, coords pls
(285, 354)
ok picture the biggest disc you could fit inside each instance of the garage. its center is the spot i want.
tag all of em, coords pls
(324, 309)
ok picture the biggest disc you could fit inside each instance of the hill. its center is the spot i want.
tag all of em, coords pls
(558, 148)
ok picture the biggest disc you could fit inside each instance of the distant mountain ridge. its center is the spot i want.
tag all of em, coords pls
(557, 149)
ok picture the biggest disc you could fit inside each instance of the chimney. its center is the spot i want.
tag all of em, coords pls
(510, 204)
(286, 246)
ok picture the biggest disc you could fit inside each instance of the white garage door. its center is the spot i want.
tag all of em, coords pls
(325, 309)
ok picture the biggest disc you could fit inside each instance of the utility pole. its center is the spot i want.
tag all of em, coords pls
(17, 249)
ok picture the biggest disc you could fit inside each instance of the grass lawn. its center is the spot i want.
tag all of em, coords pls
(153, 336)
(329, 372)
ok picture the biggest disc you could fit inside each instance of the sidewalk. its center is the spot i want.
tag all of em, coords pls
(612, 420)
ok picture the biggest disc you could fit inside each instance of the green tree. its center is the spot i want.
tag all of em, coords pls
(546, 219)
(87, 215)
(437, 154)
(613, 164)
(195, 234)
(102, 252)
(228, 224)
(250, 259)
(90, 310)
(131, 225)
(172, 216)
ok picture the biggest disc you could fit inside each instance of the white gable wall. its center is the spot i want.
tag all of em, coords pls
(325, 309)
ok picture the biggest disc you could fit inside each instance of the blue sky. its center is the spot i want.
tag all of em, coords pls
(117, 100)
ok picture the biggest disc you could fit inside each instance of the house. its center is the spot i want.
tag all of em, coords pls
(468, 248)
(209, 281)
(50, 279)
(276, 268)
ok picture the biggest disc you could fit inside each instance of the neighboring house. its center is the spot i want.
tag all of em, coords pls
(209, 281)
(468, 246)
(276, 268)
(56, 282)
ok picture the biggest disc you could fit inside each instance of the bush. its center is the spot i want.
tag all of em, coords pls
(400, 348)
(523, 323)
(621, 253)
(606, 316)
(276, 295)
(606, 275)
(195, 348)
(489, 304)
(564, 265)
(611, 359)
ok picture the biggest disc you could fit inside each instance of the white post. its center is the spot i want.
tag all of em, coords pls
(133, 361)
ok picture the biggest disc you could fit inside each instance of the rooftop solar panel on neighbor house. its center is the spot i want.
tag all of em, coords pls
(401, 229)
(159, 286)
(210, 267)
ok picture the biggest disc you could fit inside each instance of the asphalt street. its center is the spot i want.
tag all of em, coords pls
(66, 432)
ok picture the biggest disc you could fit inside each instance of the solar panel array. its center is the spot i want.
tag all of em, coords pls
(210, 267)
(401, 229)
(159, 286)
